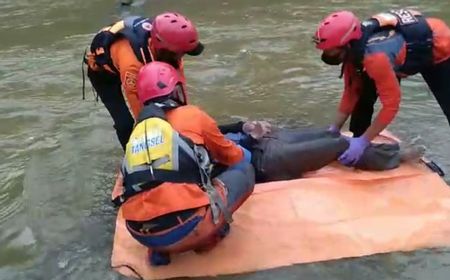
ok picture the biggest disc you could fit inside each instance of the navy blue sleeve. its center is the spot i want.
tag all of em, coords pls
(231, 128)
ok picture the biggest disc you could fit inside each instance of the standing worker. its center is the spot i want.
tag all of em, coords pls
(375, 55)
(118, 51)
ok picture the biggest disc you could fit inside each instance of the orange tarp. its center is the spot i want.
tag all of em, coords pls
(334, 213)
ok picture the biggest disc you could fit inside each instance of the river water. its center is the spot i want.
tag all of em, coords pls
(59, 153)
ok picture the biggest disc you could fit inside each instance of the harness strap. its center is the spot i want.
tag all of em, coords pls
(217, 205)
(216, 201)
(129, 192)
(83, 75)
(141, 177)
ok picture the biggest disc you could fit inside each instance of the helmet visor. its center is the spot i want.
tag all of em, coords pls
(197, 50)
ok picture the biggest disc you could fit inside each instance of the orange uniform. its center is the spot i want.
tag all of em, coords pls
(198, 126)
(384, 55)
(128, 66)
(116, 55)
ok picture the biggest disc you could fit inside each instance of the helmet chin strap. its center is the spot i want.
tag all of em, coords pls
(344, 60)
(151, 49)
(332, 60)
(168, 104)
(338, 59)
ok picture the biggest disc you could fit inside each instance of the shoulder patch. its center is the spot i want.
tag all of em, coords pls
(147, 26)
(130, 80)
(405, 17)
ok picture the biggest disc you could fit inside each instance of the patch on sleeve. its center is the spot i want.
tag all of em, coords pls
(405, 17)
(130, 80)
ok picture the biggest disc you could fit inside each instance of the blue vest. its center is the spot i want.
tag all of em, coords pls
(416, 33)
(135, 29)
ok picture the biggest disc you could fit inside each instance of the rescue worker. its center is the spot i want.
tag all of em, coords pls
(171, 201)
(118, 51)
(286, 154)
(375, 55)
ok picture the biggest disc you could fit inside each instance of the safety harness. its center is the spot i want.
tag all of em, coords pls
(156, 153)
(414, 29)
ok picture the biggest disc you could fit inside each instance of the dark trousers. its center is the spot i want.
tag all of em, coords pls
(437, 78)
(109, 89)
(239, 184)
(287, 154)
(361, 117)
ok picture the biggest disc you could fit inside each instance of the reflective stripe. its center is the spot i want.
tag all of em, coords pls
(143, 167)
(136, 168)
(185, 147)
(136, 188)
(150, 51)
(157, 163)
(143, 56)
(124, 166)
(175, 143)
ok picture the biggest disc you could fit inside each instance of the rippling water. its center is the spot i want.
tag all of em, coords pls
(60, 153)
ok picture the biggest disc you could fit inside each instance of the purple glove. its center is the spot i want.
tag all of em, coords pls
(334, 129)
(354, 152)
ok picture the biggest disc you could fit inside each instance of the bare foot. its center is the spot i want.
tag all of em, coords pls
(411, 152)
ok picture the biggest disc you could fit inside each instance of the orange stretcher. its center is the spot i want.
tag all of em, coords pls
(334, 213)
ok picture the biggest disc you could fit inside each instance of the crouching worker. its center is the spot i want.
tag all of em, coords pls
(170, 202)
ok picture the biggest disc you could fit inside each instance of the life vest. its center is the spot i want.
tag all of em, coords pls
(156, 153)
(135, 29)
(415, 31)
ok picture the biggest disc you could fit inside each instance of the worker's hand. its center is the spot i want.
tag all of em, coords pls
(333, 129)
(257, 129)
(354, 152)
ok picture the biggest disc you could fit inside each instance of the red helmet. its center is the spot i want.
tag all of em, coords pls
(176, 33)
(337, 30)
(157, 79)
